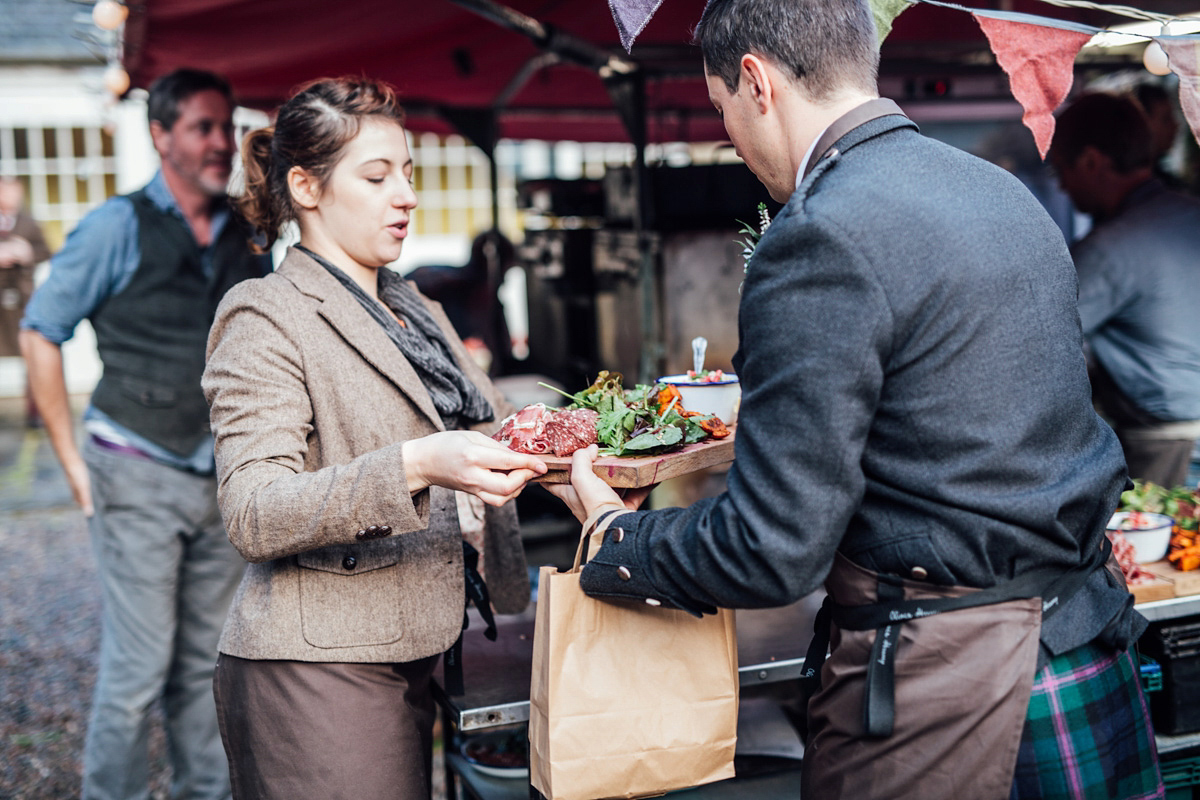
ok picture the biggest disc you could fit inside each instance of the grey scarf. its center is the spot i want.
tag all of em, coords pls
(422, 342)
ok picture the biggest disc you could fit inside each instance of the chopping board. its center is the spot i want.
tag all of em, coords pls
(632, 472)
(1169, 582)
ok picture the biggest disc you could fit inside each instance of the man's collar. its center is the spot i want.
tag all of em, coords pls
(160, 194)
(853, 119)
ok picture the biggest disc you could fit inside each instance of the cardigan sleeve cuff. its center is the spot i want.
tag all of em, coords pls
(617, 571)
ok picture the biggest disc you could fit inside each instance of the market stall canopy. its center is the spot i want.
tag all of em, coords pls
(446, 60)
(452, 63)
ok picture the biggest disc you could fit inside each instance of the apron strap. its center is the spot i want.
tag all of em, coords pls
(860, 115)
(879, 694)
(477, 593)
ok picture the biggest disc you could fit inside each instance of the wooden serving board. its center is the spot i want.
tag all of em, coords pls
(632, 472)
(1158, 589)
(1182, 583)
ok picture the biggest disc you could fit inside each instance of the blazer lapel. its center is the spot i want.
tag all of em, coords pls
(343, 312)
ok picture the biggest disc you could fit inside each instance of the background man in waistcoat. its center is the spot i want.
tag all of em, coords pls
(147, 270)
(916, 433)
(1139, 283)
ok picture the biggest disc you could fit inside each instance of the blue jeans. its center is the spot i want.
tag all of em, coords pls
(167, 573)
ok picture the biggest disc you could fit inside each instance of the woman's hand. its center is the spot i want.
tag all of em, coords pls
(468, 461)
(586, 494)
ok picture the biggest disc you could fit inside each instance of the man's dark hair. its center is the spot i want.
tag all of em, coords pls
(1151, 95)
(1114, 125)
(168, 91)
(825, 44)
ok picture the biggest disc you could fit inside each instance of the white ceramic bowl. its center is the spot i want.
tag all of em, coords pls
(718, 397)
(1149, 533)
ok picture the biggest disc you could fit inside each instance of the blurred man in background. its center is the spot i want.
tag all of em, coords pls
(1139, 283)
(148, 269)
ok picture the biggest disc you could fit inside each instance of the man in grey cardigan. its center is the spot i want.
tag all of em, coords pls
(916, 433)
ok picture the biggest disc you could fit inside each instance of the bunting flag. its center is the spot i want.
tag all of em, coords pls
(1039, 61)
(1183, 55)
(885, 12)
(631, 17)
(1037, 53)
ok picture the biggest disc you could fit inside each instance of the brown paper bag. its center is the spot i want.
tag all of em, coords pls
(627, 700)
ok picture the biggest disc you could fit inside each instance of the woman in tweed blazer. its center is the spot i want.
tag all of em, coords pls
(346, 413)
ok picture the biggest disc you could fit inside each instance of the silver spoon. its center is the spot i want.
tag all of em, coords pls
(699, 345)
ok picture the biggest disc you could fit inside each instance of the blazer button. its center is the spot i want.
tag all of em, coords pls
(349, 562)
(372, 531)
(360, 535)
(385, 530)
(920, 573)
(619, 535)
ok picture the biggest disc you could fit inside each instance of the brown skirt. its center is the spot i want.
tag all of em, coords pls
(294, 730)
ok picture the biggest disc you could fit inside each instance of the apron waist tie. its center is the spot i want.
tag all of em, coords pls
(477, 593)
(1053, 586)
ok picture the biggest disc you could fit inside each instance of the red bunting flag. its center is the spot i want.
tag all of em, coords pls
(1183, 56)
(1039, 62)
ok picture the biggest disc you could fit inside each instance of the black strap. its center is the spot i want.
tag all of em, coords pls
(879, 694)
(810, 681)
(477, 593)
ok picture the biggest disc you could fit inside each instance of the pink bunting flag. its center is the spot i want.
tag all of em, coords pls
(1183, 56)
(1039, 61)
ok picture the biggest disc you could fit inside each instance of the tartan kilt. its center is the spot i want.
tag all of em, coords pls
(1087, 732)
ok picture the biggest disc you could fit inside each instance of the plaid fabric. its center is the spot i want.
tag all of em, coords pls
(1087, 733)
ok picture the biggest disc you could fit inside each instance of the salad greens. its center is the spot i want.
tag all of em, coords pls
(644, 420)
(1180, 502)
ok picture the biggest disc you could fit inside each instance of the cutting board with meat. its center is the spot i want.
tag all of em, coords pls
(631, 472)
(645, 434)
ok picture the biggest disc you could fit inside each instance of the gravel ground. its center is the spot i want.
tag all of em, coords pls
(49, 629)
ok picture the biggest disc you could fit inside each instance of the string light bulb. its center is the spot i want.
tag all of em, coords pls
(116, 79)
(1154, 58)
(109, 14)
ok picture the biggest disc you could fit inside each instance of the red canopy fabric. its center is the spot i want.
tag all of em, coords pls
(443, 56)
(436, 53)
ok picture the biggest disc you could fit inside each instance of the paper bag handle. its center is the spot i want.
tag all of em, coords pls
(590, 525)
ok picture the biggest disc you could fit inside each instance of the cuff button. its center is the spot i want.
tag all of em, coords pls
(650, 601)
(624, 573)
(619, 535)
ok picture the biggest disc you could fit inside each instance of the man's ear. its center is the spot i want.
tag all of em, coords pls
(159, 136)
(1093, 160)
(303, 187)
(757, 79)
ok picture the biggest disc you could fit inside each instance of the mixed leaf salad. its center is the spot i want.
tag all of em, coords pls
(645, 420)
(1183, 504)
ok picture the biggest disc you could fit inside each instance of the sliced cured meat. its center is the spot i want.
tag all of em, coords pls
(571, 430)
(524, 430)
(540, 430)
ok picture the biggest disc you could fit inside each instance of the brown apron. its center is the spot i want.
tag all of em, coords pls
(961, 693)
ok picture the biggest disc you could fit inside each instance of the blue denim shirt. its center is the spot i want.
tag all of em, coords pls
(1139, 288)
(98, 261)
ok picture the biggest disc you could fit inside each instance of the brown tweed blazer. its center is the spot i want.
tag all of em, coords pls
(310, 405)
